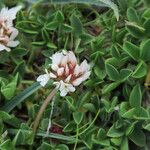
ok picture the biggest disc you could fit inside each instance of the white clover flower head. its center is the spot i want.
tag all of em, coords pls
(7, 32)
(66, 72)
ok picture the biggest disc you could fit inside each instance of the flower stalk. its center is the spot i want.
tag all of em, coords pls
(147, 80)
(50, 116)
(42, 109)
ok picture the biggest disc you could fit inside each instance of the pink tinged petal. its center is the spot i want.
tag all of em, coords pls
(72, 58)
(77, 81)
(12, 43)
(68, 78)
(1, 31)
(66, 70)
(52, 75)
(54, 67)
(60, 71)
(43, 79)
(9, 31)
(56, 58)
(84, 67)
(4, 39)
(4, 25)
(3, 47)
(82, 78)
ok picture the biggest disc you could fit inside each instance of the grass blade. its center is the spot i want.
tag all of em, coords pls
(103, 3)
(100, 3)
(43, 134)
(21, 97)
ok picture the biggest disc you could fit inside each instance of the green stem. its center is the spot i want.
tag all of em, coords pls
(31, 57)
(27, 82)
(147, 80)
(66, 42)
(59, 35)
(90, 124)
(77, 136)
(77, 43)
(83, 126)
(71, 42)
(50, 116)
(41, 111)
(90, 22)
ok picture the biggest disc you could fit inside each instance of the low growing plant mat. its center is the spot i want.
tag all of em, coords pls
(74, 75)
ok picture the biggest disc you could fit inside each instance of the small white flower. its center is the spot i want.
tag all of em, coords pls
(7, 32)
(8, 15)
(66, 72)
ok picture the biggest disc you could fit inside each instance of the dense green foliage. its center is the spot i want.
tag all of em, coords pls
(109, 111)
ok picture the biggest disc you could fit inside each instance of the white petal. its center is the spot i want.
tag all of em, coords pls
(52, 75)
(60, 71)
(64, 60)
(11, 14)
(56, 58)
(72, 58)
(3, 13)
(54, 67)
(63, 93)
(70, 87)
(14, 33)
(43, 79)
(13, 11)
(84, 67)
(3, 47)
(77, 81)
(63, 89)
(86, 75)
(12, 43)
(62, 85)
